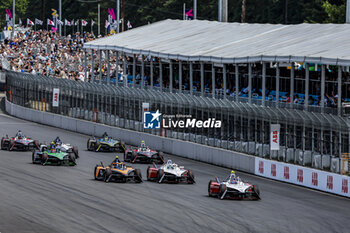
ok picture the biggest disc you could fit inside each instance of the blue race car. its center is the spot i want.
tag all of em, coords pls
(106, 144)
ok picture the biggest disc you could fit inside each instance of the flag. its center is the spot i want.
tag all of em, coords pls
(29, 22)
(50, 22)
(66, 22)
(39, 22)
(20, 22)
(59, 22)
(129, 25)
(92, 23)
(106, 24)
(77, 22)
(72, 22)
(83, 23)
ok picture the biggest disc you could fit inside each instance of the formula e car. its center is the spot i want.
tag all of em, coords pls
(143, 154)
(66, 147)
(18, 142)
(169, 172)
(105, 143)
(117, 171)
(53, 156)
(233, 187)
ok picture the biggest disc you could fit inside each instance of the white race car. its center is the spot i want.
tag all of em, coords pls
(169, 172)
(233, 187)
(65, 147)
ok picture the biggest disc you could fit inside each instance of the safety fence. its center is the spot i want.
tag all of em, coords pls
(306, 138)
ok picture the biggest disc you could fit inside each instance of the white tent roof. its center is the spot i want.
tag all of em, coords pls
(234, 42)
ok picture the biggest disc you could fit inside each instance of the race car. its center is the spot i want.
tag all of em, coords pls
(53, 156)
(169, 172)
(66, 147)
(143, 154)
(18, 142)
(117, 171)
(105, 143)
(233, 187)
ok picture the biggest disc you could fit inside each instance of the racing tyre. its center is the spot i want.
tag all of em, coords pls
(96, 146)
(222, 189)
(107, 174)
(2, 143)
(72, 159)
(209, 184)
(190, 177)
(89, 147)
(160, 175)
(36, 144)
(148, 173)
(76, 151)
(95, 170)
(138, 176)
(10, 148)
(44, 159)
(160, 158)
(122, 147)
(132, 157)
(33, 156)
(256, 192)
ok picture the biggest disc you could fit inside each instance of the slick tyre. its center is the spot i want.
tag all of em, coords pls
(107, 174)
(209, 184)
(72, 159)
(222, 189)
(160, 174)
(190, 177)
(148, 178)
(138, 176)
(75, 151)
(44, 159)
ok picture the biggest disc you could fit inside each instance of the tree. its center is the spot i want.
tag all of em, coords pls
(21, 8)
(336, 11)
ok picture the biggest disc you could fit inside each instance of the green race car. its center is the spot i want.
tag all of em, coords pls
(53, 156)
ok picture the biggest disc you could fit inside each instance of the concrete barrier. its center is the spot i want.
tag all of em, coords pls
(212, 155)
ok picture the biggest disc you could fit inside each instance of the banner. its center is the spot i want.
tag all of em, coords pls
(275, 136)
(56, 97)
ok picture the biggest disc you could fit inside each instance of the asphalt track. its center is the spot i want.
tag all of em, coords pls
(35, 198)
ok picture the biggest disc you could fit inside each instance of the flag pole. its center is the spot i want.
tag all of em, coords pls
(64, 29)
(35, 28)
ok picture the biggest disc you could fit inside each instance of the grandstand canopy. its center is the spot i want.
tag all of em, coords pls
(210, 41)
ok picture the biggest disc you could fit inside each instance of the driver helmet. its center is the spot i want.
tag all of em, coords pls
(58, 140)
(19, 134)
(233, 177)
(143, 144)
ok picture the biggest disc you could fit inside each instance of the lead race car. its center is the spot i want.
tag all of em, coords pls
(233, 187)
(53, 155)
(143, 154)
(18, 142)
(117, 171)
(65, 147)
(169, 172)
(105, 143)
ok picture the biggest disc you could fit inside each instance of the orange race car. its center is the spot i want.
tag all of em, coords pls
(117, 171)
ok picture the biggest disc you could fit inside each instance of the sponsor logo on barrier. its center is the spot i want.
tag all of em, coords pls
(315, 179)
(273, 169)
(344, 186)
(261, 167)
(330, 182)
(300, 176)
(151, 120)
(286, 173)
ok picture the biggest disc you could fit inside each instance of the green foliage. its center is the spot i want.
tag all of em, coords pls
(336, 12)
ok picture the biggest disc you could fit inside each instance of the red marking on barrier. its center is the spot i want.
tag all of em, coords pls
(286, 172)
(273, 169)
(261, 167)
(275, 136)
(345, 186)
(315, 178)
(300, 175)
(330, 182)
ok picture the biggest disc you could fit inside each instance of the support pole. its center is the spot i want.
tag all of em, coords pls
(116, 68)
(108, 68)
(323, 79)
(180, 76)
(339, 90)
(191, 78)
(160, 75)
(277, 84)
(307, 81)
(202, 78)
(250, 82)
(224, 77)
(142, 72)
(125, 72)
(92, 66)
(347, 19)
(118, 15)
(171, 76)
(236, 81)
(213, 80)
(152, 83)
(13, 17)
(134, 70)
(194, 9)
(100, 66)
(60, 11)
(98, 20)
(85, 64)
(263, 83)
(292, 84)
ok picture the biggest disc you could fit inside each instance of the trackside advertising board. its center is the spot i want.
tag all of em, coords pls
(55, 97)
(308, 177)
